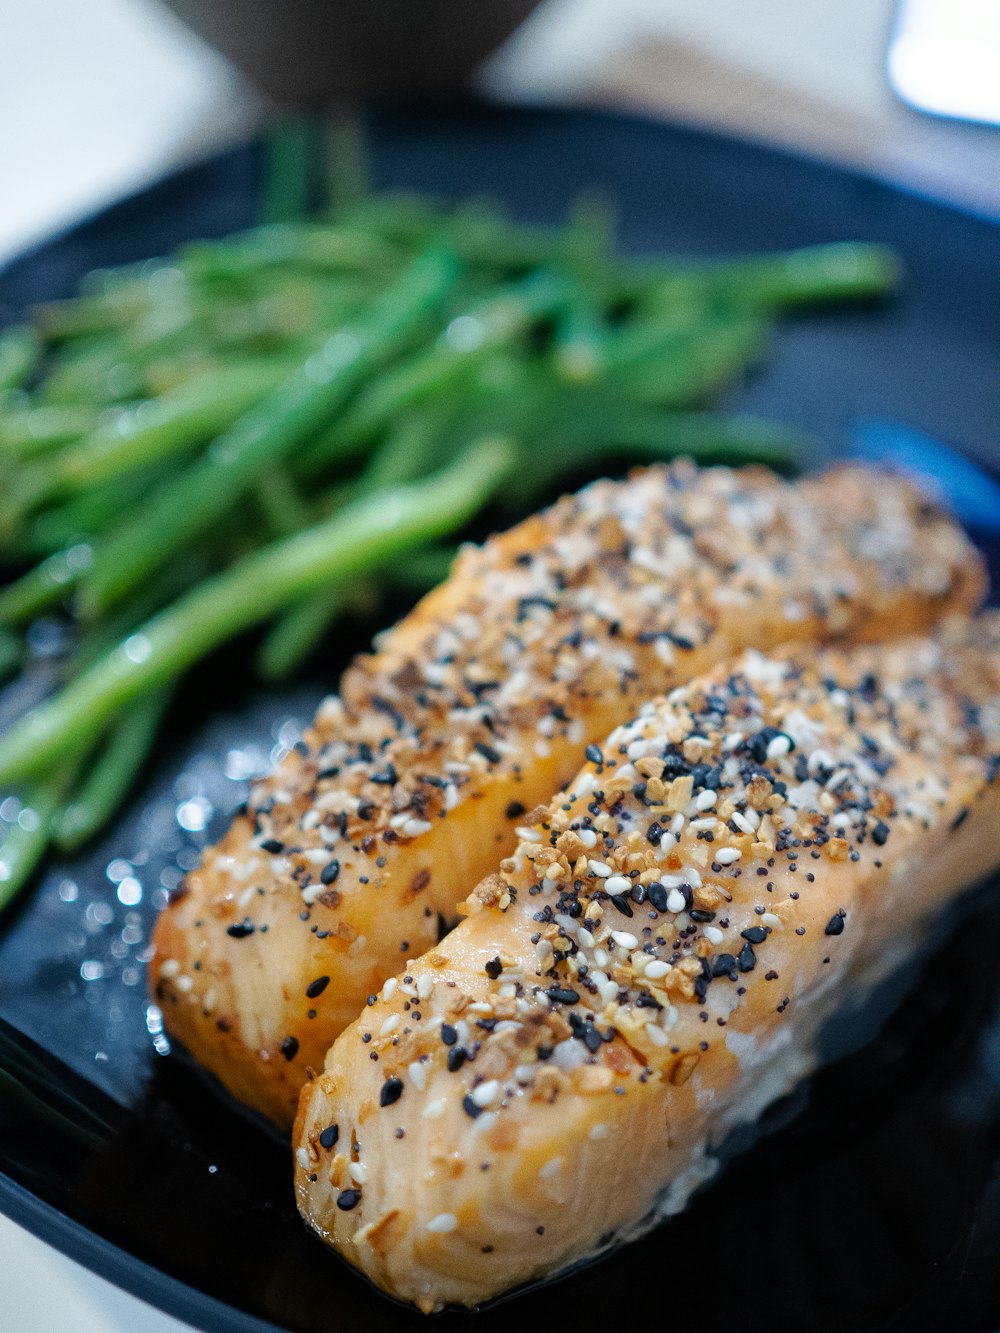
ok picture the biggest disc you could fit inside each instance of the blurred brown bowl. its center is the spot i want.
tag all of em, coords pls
(315, 51)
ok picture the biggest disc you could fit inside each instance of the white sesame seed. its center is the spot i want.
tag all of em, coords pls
(713, 934)
(584, 938)
(170, 968)
(599, 1132)
(608, 991)
(656, 1034)
(185, 984)
(389, 989)
(725, 856)
(414, 827)
(486, 1093)
(600, 868)
(602, 957)
(742, 823)
(433, 1110)
(551, 1168)
(618, 884)
(443, 1223)
(302, 1157)
(484, 1123)
(675, 901)
(543, 951)
(425, 987)
(706, 799)
(390, 1025)
(358, 1172)
(588, 837)
(780, 745)
(770, 919)
(624, 938)
(657, 969)
(418, 1075)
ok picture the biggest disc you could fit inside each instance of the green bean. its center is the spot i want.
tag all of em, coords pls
(596, 433)
(24, 845)
(202, 493)
(11, 654)
(293, 637)
(43, 586)
(367, 534)
(287, 170)
(26, 841)
(844, 270)
(111, 774)
(20, 350)
(472, 336)
(37, 430)
(193, 412)
(422, 569)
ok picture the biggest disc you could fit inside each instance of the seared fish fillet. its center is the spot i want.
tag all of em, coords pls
(475, 707)
(651, 966)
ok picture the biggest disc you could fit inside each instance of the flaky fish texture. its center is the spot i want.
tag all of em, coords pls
(651, 965)
(410, 785)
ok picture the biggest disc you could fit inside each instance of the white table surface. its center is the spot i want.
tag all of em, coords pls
(98, 97)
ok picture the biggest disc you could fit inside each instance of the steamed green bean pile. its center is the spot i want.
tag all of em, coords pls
(256, 431)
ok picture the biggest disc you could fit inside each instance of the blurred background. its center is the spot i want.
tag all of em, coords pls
(97, 99)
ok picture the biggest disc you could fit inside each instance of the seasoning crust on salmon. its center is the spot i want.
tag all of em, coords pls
(652, 964)
(476, 707)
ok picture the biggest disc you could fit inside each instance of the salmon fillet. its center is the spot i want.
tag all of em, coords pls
(650, 967)
(410, 785)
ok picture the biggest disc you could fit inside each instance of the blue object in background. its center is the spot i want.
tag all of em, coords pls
(963, 486)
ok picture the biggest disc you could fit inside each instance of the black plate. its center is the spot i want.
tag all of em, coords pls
(878, 1207)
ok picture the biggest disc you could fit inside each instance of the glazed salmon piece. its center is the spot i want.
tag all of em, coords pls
(651, 966)
(476, 707)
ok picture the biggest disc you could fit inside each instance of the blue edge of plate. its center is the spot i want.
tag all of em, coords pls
(969, 489)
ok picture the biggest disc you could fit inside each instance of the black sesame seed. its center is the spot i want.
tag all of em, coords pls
(654, 834)
(515, 810)
(290, 1048)
(835, 926)
(392, 1090)
(493, 968)
(388, 777)
(622, 903)
(317, 987)
(755, 934)
(329, 1136)
(487, 751)
(657, 895)
(456, 1059)
(272, 845)
(746, 959)
(723, 964)
(348, 1199)
(330, 872)
(470, 1108)
(563, 995)
(239, 930)
(448, 1034)
(880, 834)
(593, 754)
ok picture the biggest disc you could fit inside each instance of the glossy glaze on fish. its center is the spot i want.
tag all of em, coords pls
(652, 964)
(476, 707)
